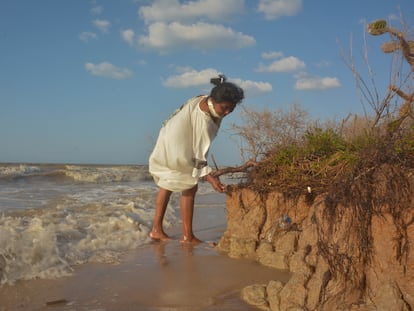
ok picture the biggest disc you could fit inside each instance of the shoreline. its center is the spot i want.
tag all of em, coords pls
(154, 277)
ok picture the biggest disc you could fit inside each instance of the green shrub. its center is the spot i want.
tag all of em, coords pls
(323, 142)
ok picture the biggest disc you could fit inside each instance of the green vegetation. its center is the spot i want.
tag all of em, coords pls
(297, 156)
(322, 156)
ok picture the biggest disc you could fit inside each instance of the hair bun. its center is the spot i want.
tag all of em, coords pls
(220, 80)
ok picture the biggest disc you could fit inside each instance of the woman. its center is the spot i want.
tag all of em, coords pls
(179, 158)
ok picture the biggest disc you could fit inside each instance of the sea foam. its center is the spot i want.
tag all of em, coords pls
(46, 243)
(50, 223)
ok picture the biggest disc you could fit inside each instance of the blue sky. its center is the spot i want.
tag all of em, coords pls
(91, 81)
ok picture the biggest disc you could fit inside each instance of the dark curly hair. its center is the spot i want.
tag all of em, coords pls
(226, 91)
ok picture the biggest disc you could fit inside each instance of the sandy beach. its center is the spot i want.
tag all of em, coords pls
(156, 276)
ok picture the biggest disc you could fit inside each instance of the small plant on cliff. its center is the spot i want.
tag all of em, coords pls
(262, 130)
(323, 143)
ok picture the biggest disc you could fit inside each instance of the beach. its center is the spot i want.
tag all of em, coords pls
(75, 237)
(155, 276)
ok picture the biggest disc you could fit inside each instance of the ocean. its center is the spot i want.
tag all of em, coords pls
(53, 217)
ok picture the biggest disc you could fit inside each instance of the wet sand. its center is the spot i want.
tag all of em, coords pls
(158, 276)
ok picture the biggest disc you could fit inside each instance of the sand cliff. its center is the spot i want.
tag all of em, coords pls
(351, 254)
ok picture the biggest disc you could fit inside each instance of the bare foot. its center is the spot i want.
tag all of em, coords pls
(158, 236)
(192, 240)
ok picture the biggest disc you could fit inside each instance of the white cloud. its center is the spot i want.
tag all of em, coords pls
(189, 77)
(128, 36)
(102, 25)
(201, 36)
(322, 64)
(97, 10)
(86, 36)
(306, 82)
(174, 24)
(271, 55)
(108, 70)
(253, 88)
(173, 10)
(273, 9)
(287, 64)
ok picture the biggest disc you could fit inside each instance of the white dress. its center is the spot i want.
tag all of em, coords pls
(179, 157)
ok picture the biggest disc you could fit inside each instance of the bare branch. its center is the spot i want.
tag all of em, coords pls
(234, 169)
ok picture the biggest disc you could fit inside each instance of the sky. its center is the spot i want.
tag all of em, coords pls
(91, 82)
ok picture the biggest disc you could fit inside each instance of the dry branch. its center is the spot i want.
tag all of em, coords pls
(234, 169)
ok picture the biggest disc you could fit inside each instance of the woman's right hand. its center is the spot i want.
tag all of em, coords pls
(216, 184)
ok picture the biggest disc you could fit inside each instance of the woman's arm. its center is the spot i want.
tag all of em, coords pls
(215, 183)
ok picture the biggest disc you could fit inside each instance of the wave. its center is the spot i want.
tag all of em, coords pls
(48, 242)
(47, 226)
(12, 171)
(77, 173)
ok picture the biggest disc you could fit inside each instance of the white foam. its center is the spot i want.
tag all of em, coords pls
(104, 174)
(49, 224)
(18, 170)
(49, 244)
(28, 249)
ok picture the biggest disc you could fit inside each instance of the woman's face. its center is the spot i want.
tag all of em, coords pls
(224, 108)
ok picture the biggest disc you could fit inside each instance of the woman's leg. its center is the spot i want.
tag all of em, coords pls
(161, 203)
(187, 212)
